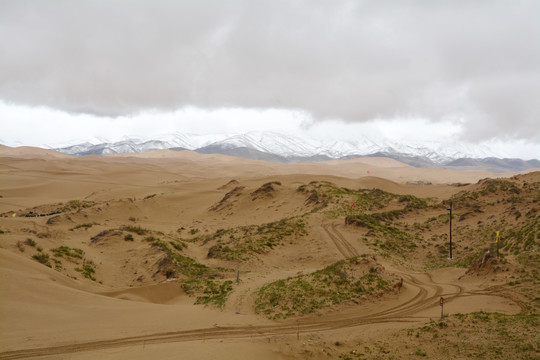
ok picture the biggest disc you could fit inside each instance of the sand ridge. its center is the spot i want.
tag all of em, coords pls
(176, 207)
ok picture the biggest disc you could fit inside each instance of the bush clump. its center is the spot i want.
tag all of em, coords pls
(42, 258)
(341, 281)
(135, 229)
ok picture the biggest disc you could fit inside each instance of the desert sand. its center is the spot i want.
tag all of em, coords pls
(163, 255)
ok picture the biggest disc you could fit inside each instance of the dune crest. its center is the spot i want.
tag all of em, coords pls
(151, 254)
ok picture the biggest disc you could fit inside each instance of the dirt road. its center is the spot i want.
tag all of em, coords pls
(420, 294)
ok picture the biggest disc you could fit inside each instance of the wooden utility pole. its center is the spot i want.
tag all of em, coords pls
(450, 209)
(497, 241)
(442, 307)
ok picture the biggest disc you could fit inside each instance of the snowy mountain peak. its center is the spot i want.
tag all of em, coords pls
(290, 148)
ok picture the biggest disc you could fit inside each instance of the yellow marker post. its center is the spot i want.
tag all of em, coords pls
(497, 242)
(14, 215)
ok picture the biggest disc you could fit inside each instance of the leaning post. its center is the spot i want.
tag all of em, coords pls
(450, 209)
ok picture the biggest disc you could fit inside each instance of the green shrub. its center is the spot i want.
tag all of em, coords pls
(135, 229)
(67, 252)
(84, 226)
(180, 246)
(42, 258)
(213, 292)
(87, 270)
(78, 204)
(419, 352)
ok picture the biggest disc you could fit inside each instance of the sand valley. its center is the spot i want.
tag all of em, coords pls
(168, 255)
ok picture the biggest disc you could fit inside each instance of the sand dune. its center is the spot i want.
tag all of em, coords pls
(128, 243)
(30, 152)
(164, 293)
(32, 176)
(40, 307)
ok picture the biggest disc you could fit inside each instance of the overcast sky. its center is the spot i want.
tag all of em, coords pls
(72, 70)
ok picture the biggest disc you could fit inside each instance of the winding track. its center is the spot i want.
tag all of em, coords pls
(423, 293)
(343, 246)
(426, 296)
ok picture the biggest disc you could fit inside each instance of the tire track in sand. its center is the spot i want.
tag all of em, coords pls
(343, 246)
(425, 295)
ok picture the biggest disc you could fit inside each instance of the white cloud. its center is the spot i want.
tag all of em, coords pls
(356, 61)
(46, 127)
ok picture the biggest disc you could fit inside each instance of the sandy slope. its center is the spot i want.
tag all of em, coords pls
(40, 307)
(47, 309)
(134, 314)
(33, 176)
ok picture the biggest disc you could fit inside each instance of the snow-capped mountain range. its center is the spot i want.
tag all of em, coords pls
(287, 148)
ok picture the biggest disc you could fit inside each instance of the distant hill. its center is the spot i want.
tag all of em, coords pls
(494, 164)
(275, 147)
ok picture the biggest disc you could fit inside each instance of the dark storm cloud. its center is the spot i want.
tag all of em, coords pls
(473, 61)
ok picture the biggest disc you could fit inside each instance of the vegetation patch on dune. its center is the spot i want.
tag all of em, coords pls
(85, 266)
(339, 200)
(208, 292)
(190, 268)
(364, 199)
(478, 335)
(55, 209)
(419, 228)
(85, 226)
(516, 203)
(344, 280)
(387, 237)
(42, 258)
(68, 253)
(105, 234)
(203, 282)
(498, 186)
(525, 237)
(225, 202)
(243, 242)
(265, 191)
(88, 269)
(135, 229)
(78, 204)
(481, 335)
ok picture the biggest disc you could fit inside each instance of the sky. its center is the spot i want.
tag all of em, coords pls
(414, 71)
